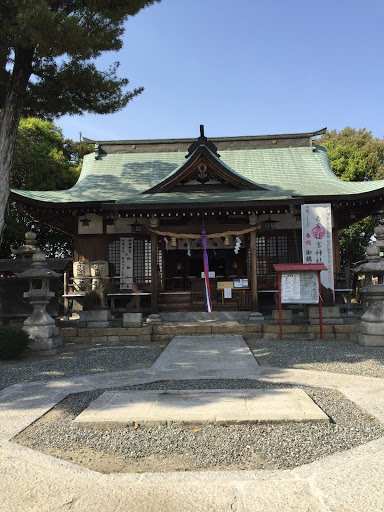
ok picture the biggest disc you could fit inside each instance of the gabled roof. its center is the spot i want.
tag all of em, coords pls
(203, 159)
(262, 170)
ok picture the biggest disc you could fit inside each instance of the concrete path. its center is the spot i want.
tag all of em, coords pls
(206, 354)
(31, 481)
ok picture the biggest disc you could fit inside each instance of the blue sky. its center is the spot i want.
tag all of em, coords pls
(246, 67)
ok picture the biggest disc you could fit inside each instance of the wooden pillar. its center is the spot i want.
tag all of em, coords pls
(254, 294)
(154, 274)
(336, 251)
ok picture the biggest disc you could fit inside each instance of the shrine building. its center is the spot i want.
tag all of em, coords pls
(141, 206)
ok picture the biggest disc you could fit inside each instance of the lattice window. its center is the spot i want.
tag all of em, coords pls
(261, 260)
(141, 261)
(160, 264)
(138, 262)
(114, 257)
(273, 249)
(147, 263)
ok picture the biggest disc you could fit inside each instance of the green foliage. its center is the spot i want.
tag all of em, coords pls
(354, 156)
(55, 243)
(43, 160)
(354, 240)
(75, 152)
(65, 38)
(12, 342)
(48, 65)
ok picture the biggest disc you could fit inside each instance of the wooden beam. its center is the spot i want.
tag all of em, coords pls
(154, 274)
(195, 229)
(254, 294)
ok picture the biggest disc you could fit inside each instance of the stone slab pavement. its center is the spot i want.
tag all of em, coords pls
(191, 407)
(350, 481)
(206, 354)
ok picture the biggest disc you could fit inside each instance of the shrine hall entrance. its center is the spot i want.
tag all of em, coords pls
(180, 282)
(184, 286)
(180, 269)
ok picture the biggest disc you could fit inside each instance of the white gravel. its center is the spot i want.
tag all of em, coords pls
(79, 359)
(320, 355)
(256, 446)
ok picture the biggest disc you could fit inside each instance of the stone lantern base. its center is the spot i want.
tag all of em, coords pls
(371, 329)
(43, 332)
(49, 345)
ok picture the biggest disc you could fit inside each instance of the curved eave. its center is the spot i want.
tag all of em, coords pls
(196, 205)
(131, 204)
(20, 198)
(227, 201)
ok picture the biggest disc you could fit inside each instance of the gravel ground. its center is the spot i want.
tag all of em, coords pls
(165, 448)
(337, 357)
(77, 360)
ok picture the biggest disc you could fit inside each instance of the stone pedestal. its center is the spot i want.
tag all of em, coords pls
(256, 317)
(132, 319)
(331, 315)
(97, 318)
(154, 319)
(41, 326)
(286, 316)
(371, 329)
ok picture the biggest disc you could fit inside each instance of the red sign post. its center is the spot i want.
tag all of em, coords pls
(300, 283)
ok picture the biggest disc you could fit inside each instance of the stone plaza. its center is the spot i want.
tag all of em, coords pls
(349, 480)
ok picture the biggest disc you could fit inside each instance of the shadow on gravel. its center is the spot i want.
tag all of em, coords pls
(139, 448)
(77, 360)
(320, 355)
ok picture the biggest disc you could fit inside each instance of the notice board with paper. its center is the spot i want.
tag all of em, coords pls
(300, 287)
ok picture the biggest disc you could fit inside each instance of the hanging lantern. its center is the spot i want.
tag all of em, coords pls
(136, 227)
(85, 222)
(269, 224)
(109, 221)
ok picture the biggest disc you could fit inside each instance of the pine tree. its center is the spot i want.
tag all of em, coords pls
(47, 64)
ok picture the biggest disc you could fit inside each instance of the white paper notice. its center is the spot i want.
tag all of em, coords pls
(227, 293)
(290, 287)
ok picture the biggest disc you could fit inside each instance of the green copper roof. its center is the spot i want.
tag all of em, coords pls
(283, 172)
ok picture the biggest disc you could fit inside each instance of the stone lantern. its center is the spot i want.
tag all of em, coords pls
(371, 329)
(29, 248)
(40, 325)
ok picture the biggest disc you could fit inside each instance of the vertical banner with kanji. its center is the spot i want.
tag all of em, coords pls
(316, 222)
(126, 263)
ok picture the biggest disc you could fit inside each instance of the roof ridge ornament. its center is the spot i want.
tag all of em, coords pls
(202, 140)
